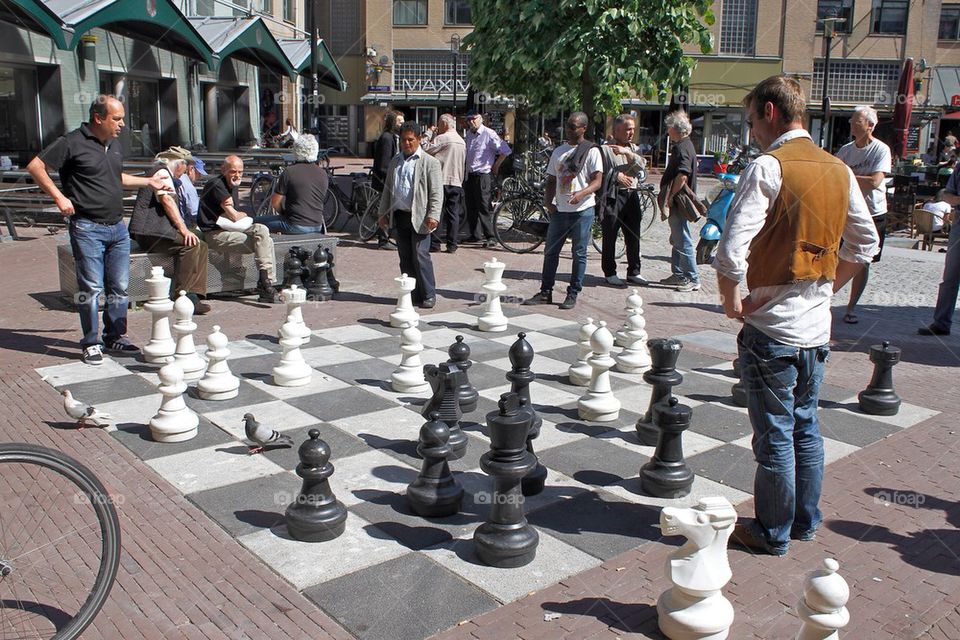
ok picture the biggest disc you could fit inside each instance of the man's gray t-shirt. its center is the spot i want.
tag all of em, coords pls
(868, 160)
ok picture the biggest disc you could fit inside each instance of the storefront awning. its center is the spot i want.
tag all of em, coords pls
(247, 39)
(35, 15)
(298, 53)
(944, 85)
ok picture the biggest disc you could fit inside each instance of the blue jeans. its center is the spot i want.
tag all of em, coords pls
(683, 259)
(279, 224)
(783, 387)
(947, 299)
(567, 224)
(101, 254)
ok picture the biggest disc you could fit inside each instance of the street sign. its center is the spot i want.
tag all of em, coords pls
(955, 101)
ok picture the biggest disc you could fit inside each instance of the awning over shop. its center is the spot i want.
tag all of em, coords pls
(247, 39)
(35, 15)
(298, 53)
(944, 89)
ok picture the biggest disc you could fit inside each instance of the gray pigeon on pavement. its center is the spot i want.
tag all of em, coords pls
(263, 436)
(83, 413)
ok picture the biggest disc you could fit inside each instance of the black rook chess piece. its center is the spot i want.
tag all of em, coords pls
(879, 398)
(663, 375)
(520, 376)
(506, 539)
(319, 288)
(291, 267)
(738, 392)
(435, 493)
(667, 475)
(445, 380)
(459, 353)
(316, 515)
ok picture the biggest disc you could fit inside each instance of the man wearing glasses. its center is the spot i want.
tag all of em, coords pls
(485, 153)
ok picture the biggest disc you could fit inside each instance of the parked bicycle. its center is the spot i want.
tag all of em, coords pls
(363, 202)
(59, 543)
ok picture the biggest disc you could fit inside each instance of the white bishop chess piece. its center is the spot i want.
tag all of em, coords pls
(580, 371)
(293, 371)
(634, 358)
(174, 422)
(634, 303)
(405, 314)
(186, 355)
(218, 383)
(295, 298)
(823, 606)
(408, 378)
(599, 404)
(492, 318)
(161, 345)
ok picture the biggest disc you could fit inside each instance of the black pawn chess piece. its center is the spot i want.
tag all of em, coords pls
(738, 392)
(319, 288)
(444, 380)
(506, 539)
(663, 376)
(459, 353)
(667, 475)
(435, 493)
(316, 515)
(520, 376)
(879, 398)
(291, 267)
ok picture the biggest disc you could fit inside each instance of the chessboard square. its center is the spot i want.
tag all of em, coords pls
(331, 354)
(378, 347)
(484, 376)
(276, 414)
(137, 438)
(357, 476)
(73, 372)
(268, 342)
(308, 563)
(720, 422)
(349, 333)
(554, 561)
(693, 443)
(907, 416)
(392, 514)
(381, 429)
(211, 467)
(631, 489)
(342, 445)
(255, 367)
(852, 428)
(455, 320)
(319, 382)
(371, 372)
(247, 396)
(695, 384)
(593, 462)
(539, 321)
(833, 450)
(478, 493)
(711, 339)
(132, 412)
(729, 464)
(694, 360)
(240, 349)
(539, 341)
(568, 354)
(380, 324)
(440, 337)
(483, 349)
(330, 406)
(407, 598)
(102, 390)
(251, 506)
(568, 331)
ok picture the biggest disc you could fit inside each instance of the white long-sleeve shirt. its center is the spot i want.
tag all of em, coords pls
(797, 314)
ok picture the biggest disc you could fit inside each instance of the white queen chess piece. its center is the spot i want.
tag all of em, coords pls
(186, 355)
(599, 404)
(492, 318)
(218, 383)
(634, 358)
(174, 422)
(293, 371)
(161, 345)
(823, 605)
(295, 298)
(408, 378)
(405, 314)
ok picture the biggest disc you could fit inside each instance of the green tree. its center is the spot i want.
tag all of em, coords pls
(587, 54)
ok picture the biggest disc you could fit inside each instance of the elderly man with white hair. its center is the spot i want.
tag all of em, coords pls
(681, 170)
(299, 193)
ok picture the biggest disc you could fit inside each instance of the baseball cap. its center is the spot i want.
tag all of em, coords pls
(199, 166)
(175, 153)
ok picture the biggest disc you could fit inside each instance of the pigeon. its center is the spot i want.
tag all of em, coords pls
(83, 413)
(262, 436)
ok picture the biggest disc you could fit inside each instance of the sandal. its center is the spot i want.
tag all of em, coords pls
(851, 318)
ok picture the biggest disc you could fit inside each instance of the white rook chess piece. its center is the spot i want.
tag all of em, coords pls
(823, 605)
(186, 355)
(293, 371)
(295, 297)
(634, 358)
(218, 383)
(405, 314)
(174, 422)
(599, 404)
(492, 318)
(634, 303)
(695, 608)
(579, 372)
(408, 378)
(161, 345)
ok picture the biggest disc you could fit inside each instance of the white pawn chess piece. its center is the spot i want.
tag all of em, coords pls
(634, 303)
(599, 404)
(579, 372)
(408, 378)
(295, 298)
(186, 355)
(405, 314)
(492, 318)
(161, 345)
(293, 371)
(218, 383)
(695, 607)
(174, 422)
(634, 358)
(823, 605)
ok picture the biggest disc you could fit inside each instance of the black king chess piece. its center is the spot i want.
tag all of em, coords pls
(738, 392)
(879, 398)
(506, 539)
(435, 493)
(663, 376)
(667, 475)
(319, 288)
(445, 380)
(316, 515)
(459, 353)
(520, 376)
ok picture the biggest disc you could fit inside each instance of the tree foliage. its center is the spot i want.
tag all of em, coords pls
(585, 53)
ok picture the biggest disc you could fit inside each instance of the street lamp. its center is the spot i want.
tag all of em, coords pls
(455, 50)
(829, 23)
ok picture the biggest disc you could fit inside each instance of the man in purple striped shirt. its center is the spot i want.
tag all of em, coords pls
(485, 153)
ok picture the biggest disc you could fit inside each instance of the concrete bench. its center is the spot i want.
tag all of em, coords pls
(226, 272)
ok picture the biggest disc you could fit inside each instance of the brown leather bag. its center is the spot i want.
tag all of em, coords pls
(687, 204)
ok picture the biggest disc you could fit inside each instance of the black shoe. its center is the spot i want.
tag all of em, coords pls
(268, 295)
(92, 355)
(489, 243)
(201, 308)
(429, 303)
(451, 249)
(121, 346)
(470, 239)
(569, 302)
(386, 246)
(544, 297)
(933, 330)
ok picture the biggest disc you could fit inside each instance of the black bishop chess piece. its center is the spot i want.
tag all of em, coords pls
(459, 353)
(445, 380)
(520, 376)
(667, 475)
(319, 287)
(506, 539)
(435, 493)
(316, 515)
(880, 398)
(663, 376)
(738, 392)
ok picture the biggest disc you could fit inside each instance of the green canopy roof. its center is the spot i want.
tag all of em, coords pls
(34, 15)
(298, 52)
(247, 39)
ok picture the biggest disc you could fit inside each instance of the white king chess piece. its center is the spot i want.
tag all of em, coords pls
(823, 605)
(492, 318)
(405, 314)
(161, 345)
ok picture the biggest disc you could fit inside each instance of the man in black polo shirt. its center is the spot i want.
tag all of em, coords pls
(90, 163)
(300, 192)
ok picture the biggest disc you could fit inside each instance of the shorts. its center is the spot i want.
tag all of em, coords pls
(880, 222)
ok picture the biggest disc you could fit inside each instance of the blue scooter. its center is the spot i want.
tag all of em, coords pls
(712, 229)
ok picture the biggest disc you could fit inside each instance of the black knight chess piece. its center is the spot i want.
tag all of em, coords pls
(506, 539)
(880, 398)
(667, 475)
(435, 493)
(316, 515)
(459, 353)
(663, 376)
(319, 287)
(738, 392)
(520, 376)
(445, 380)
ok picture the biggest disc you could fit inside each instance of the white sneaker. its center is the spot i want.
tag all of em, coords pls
(93, 355)
(688, 285)
(615, 281)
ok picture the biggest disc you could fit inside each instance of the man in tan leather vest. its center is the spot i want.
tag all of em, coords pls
(793, 205)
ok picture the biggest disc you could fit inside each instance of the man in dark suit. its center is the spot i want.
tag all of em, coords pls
(384, 149)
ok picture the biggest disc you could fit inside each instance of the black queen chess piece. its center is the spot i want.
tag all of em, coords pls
(459, 353)
(667, 475)
(506, 539)
(445, 380)
(316, 515)
(663, 376)
(520, 376)
(319, 287)
(435, 493)
(880, 398)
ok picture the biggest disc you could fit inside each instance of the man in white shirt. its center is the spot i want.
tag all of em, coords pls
(792, 234)
(574, 174)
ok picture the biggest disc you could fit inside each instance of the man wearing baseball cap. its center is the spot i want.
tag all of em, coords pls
(191, 199)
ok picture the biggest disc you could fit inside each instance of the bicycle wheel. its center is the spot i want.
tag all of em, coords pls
(520, 224)
(597, 236)
(260, 191)
(59, 543)
(370, 217)
(648, 206)
(331, 209)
